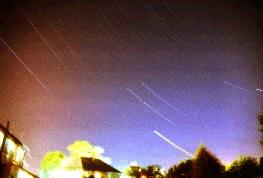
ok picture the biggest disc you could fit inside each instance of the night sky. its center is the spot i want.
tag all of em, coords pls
(204, 59)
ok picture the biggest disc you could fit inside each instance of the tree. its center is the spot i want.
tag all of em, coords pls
(261, 165)
(206, 165)
(51, 162)
(134, 171)
(183, 170)
(260, 120)
(81, 148)
(244, 167)
(153, 171)
(171, 172)
(55, 161)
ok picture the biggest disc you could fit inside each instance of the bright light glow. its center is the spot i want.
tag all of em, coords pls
(134, 163)
(19, 155)
(11, 146)
(227, 166)
(99, 150)
(66, 174)
(124, 176)
(106, 160)
(1, 138)
(57, 165)
(97, 174)
(143, 176)
(71, 163)
(23, 174)
(163, 170)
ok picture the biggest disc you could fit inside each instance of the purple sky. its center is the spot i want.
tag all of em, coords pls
(184, 51)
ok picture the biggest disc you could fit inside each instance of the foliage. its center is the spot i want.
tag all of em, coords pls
(85, 149)
(134, 171)
(183, 170)
(244, 167)
(80, 149)
(153, 171)
(51, 161)
(206, 165)
(171, 172)
(56, 160)
(149, 171)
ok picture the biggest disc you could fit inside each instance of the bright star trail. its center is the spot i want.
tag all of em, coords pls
(150, 107)
(163, 100)
(193, 70)
(173, 144)
(164, 27)
(38, 32)
(168, 7)
(26, 67)
(71, 50)
(240, 88)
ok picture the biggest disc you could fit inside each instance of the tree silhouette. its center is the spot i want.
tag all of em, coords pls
(261, 165)
(260, 119)
(134, 171)
(244, 167)
(171, 172)
(206, 165)
(151, 171)
(183, 170)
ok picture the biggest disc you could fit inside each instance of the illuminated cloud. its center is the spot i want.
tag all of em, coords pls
(134, 163)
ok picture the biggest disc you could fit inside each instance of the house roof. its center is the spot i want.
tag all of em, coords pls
(93, 164)
(16, 140)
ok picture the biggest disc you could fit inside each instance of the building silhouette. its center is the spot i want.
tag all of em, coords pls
(86, 167)
(12, 154)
